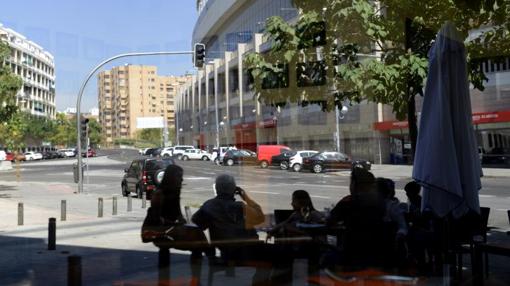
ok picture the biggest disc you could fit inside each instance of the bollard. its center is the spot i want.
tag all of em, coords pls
(20, 213)
(100, 207)
(114, 206)
(129, 205)
(144, 201)
(52, 235)
(74, 270)
(63, 210)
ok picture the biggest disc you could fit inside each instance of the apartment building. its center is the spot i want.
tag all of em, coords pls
(133, 91)
(36, 67)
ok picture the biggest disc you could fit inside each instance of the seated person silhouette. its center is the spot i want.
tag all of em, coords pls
(394, 209)
(164, 224)
(304, 212)
(231, 225)
(364, 241)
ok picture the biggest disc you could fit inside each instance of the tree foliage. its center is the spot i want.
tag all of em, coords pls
(10, 84)
(369, 54)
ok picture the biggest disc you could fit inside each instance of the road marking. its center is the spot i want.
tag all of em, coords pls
(263, 192)
(486, 196)
(320, 197)
(196, 178)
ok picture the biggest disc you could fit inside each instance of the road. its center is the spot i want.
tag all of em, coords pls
(272, 188)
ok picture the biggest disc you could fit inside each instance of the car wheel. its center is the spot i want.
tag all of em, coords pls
(139, 193)
(185, 158)
(179, 157)
(317, 168)
(230, 162)
(284, 165)
(205, 158)
(217, 161)
(264, 164)
(125, 191)
(296, 167)
(166, 156)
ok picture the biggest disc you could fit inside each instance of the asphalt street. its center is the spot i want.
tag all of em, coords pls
(272, 187)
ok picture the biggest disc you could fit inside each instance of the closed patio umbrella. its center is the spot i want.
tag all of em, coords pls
(446, 162)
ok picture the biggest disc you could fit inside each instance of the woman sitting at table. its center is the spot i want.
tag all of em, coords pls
(304, 213)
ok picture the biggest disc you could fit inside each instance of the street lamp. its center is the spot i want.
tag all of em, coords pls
(82, 89)
(339, 114)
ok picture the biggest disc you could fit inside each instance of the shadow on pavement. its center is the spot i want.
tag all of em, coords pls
(4, 191)
(26, 261)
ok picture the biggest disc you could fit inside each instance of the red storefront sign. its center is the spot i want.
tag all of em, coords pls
(478, 118)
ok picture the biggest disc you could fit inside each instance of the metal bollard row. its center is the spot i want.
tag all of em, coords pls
(100, 208)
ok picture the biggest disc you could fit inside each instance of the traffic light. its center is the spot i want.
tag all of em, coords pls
(199, 56)
(84, 128)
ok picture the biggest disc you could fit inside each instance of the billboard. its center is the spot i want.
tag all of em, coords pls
(150, 122)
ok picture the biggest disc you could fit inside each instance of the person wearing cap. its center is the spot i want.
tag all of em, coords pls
(231, 224)
(227, 218)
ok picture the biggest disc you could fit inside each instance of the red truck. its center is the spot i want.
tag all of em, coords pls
(265, 152)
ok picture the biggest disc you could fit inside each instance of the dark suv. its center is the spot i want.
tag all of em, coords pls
(143, 175)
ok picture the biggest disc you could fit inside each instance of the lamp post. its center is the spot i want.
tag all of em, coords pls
(339, 114)
(82, 89)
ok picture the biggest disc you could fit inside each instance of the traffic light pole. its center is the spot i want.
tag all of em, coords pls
(82, 89)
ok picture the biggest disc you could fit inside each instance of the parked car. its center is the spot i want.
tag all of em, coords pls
(90, 153)
(15, 157)
(296, 161)
(242, 157)
(143, 175)
(143, 151)
(3, 155)
(30, 156)
(150, 151)
(68, 152)
(50, 155)
(167, 152)
(196, 154)
(498, 155)
(218, 153)
(282, 160)
(266, 152)
(179, 150)
(323, 161)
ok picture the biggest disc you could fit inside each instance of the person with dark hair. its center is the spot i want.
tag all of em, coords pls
(165, 210)
(364, 242)
(362, 185)
(166, 227)
(304, 212)
(412, 190)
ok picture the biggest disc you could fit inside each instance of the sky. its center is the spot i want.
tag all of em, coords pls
(82, 33)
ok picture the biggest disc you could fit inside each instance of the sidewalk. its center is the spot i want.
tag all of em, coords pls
(111, 248)
(406, 171)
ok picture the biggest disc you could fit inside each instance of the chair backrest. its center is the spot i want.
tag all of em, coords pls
(281, 215)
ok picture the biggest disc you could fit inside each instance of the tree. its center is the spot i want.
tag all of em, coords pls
(94, 132)
(10, 84)
(151, 135)
(13, 132)
(65, 131)
(341, 67)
